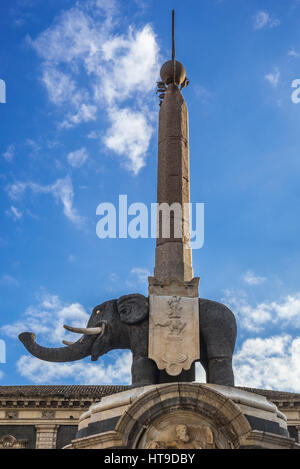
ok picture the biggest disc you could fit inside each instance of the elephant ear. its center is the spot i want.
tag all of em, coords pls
(133, 308)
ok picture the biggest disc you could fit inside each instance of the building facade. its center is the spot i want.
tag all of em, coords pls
(46, 417)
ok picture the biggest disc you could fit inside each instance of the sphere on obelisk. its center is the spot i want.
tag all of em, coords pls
(167, 73)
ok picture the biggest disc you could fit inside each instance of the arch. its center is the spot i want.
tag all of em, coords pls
(196, 400)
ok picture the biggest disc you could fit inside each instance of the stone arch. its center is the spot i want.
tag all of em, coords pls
(191, 402)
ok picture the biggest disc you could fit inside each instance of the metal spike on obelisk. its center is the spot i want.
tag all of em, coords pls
(173, 291)
(173, 45)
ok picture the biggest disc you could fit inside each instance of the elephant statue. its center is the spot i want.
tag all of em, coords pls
(124, 324)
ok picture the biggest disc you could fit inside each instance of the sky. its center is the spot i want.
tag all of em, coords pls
(79, 128)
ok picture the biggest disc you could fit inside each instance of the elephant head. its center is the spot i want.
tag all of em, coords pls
(108, 328)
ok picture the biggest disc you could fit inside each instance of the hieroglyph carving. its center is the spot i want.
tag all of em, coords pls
(174, 332)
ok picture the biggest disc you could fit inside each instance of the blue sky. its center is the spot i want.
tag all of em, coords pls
(80, 127)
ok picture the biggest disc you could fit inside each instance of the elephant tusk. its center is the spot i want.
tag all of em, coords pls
(66, 342)
(87, 331)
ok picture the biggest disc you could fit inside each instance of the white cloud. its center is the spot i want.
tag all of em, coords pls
(283, 312)
(35, 147)
(14, 213)
(293, 53)
(32, 215)
(75, 34)
(141, 274)
(273, 77)
(9, 154)
(87, 66)
(60, 86)
(41, 372)
(202, 93)
(63, 90)
(269, 363)
(1, 375)
(61, 190)
(200, 373)
(130, 134)
(94, 135)
(8, 281)
(71, 258)
(263, 19)
(131, 65)
(47, 318)
(113, 277)
(16, 190)
(77, 158)
(251, 279)
(288, 309)
(85, 113)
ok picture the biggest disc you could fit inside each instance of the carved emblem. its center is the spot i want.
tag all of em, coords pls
(11, 414)
(184, 438)
(8, 441)
(48, 414)
(174, 332)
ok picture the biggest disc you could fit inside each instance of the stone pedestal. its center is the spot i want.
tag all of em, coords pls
(183, 416)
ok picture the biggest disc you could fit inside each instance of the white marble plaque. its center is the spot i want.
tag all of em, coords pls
(174, 342)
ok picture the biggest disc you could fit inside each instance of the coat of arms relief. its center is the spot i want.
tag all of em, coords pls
(174, 332)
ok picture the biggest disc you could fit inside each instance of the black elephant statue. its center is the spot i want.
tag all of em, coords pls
(124, 324)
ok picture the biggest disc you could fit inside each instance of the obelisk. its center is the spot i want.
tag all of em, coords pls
(173, 291)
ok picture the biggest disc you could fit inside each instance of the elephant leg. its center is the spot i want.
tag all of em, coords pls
(203, 357)
(218, 331)
(219, 360)
(220, 371)
(143, 371)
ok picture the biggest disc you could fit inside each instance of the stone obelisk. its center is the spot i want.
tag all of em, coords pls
(173, 291)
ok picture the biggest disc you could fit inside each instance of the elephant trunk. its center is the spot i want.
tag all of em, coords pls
(76, 351)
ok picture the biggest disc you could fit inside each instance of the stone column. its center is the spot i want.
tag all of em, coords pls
(173, 291)
(173, 257)
(46, 435)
